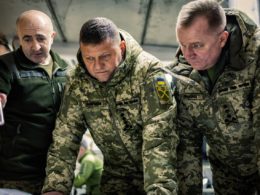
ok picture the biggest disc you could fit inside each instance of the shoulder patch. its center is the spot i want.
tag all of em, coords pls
(162, 89)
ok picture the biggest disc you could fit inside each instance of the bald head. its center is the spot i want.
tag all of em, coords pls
(35, 32)
(34, 19)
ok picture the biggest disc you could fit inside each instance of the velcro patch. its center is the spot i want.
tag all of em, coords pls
(162, 90)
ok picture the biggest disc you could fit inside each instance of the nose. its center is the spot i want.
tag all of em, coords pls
(35, 45)
(98, 65)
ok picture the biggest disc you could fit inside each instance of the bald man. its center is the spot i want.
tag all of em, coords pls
(31, 86)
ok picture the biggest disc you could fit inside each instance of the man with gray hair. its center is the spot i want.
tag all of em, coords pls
(31, 86)
(219, 58)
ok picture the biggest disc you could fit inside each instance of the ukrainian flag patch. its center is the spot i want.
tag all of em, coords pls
(162, 90)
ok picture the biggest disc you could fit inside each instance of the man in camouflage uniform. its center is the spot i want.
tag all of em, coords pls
(220, 98)
(120, 93)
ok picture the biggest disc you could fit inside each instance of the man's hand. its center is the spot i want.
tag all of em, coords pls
(3, 99)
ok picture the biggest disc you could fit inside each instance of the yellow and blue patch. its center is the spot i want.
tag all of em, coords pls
(162, 89)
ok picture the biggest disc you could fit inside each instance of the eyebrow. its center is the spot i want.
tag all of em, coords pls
(37, 35)
(26, 36)
(105, 54)
(195, 42)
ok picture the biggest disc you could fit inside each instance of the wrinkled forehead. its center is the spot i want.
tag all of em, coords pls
(34, 21)
(199, 27)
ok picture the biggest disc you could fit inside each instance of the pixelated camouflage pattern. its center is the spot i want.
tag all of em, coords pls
(228, 117)
(133, 127)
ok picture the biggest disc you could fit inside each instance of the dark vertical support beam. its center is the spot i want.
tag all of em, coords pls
(147, 17)
(55, 18)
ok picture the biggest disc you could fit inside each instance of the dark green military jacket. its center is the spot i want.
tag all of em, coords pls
(129, 119)
(228, 114)
(33, 100)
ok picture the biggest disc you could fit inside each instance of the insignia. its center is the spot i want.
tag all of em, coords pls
(162, 90)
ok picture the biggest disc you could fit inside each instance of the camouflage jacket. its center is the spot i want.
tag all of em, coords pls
(130, 121)
(228, 116)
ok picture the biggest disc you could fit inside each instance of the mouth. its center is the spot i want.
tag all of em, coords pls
(37, 54)
(101, 72)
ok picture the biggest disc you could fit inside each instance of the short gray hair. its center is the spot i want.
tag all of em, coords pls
(210, 9)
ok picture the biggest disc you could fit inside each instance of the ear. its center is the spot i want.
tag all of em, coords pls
(123, 47)
(53, 34)
(223, 38)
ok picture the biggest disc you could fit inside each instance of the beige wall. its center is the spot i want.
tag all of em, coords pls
(248, 6)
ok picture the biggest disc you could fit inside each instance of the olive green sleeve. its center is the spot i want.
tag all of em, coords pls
(159, 135)
(256, 112)
(66, 141)
(189, 170)
(189, 150)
